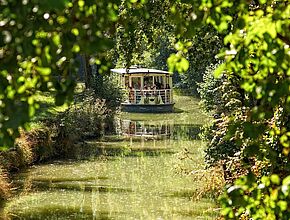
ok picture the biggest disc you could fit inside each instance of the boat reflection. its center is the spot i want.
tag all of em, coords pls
(148, 129)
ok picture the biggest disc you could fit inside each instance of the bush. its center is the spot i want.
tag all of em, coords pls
(213, 182)
(209, 90)
(16, 158)
(219, 147)
(87, 118)
(267, 198)
(4, 186)
(39, 143)
(105, 87)
(30, 147)
(222, 98)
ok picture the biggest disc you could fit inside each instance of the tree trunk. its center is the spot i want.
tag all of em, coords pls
(88, 75)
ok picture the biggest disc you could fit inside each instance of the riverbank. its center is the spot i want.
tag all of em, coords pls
(55, 133)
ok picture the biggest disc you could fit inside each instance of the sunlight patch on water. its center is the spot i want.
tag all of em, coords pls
(140, 192)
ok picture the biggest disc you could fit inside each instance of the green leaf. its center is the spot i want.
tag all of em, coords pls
(248, 86)
(76, 48)
(177, 62)
(265, 180)
(286, 181)
(56, 39)
(31, 111)
(219, 71)
(183, 65)
(75, 31)
(81, 3)
(21, 89)
(283, 205)
(275, 179)
(61, 20)
(223, 26)
(45, 71)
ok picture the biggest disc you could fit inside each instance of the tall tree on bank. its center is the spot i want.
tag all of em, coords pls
(205, 45)
(138, 40)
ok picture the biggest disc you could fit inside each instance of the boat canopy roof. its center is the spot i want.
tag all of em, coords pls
(139, 71)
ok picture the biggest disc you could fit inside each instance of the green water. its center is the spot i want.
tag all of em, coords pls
(124, 176)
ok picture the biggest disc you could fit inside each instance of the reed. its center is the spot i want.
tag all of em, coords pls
(5, 186)
(212, 182)
(36, 145)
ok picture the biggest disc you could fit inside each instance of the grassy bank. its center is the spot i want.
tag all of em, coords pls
(54, 134)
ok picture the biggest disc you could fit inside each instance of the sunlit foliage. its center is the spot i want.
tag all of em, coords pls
(257, 55)
(39, 41)
(38, 47)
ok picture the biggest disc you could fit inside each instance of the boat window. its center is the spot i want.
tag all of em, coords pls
(136, 82)
(159, 82)
(148, 82)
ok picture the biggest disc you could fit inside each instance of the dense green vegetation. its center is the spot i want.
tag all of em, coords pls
(249, 99)
(249, 134)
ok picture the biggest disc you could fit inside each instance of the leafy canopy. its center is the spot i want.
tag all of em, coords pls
(39, 44)
(257, 54)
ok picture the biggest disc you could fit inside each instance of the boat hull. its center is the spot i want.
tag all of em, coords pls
(137, 108)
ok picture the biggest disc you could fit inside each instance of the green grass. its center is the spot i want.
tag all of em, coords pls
(47, 107)
(47, 104)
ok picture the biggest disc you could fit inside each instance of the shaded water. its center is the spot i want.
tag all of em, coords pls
(134, 175)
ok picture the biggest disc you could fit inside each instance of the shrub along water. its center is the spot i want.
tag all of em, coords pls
(87, 119)
(4, 186)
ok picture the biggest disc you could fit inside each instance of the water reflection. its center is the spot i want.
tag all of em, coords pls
(154, 129)
(158, 129)
(186, 132)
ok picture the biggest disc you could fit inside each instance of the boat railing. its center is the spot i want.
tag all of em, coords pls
(149, 96)
(142, 128)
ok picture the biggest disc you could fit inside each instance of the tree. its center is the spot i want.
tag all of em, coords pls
(257, 54)
(39, 43)
(138, 40)
(40, 40)
(206, 44)
(221, 98)
(38, 47)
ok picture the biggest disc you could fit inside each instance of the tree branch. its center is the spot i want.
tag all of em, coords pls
(284, 39)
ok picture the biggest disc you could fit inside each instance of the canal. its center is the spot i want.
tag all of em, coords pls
(142, 172)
